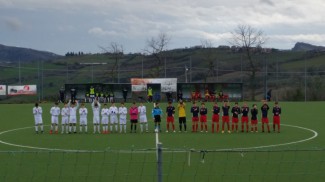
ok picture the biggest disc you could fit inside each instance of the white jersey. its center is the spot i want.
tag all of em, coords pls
(113, 111)
(142, 113)
(83, 115)
(73, 113)
(105, 114)
(123, 112)
(37, 111)
(55, 112)
(96, 112)
(83, 112)
(65, 111)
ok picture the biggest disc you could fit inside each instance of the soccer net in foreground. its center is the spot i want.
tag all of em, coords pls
(177, 165)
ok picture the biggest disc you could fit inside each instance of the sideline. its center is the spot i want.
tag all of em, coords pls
(315, 134)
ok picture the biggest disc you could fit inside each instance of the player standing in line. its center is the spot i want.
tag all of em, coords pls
(113, 111)
(181, 115)
(195, 116)
(244, 118)
(203, 117)
(55, 112)
(96, 118)
(276, 116)
(83, 112)
(143, 116)
(73, 116)
(37, 111)
(123, 112)
(170, 111)
(134, 117)
(215, 116)
(225, 116)
(156, 114)
(265, 120)
(65, 118)
(254, 113)
(234, 120)
(105, 112)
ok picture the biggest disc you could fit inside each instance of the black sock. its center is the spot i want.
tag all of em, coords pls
(180, 127)
(135, 127)
(184, 126)
(131, 127)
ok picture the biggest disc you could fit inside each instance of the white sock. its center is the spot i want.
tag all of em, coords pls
(111, 128)
(121, 128)
(80, 128)
(98, 128)
(141, 126)
(36, 128)
(62, 128)
(66, 128)
(74, 128)
(146, 126)
(86, 128)
(56, 127)
(94, 128)
(125, 128)
(51, 127)
(42, 127)
(116, 128)
(70, 127)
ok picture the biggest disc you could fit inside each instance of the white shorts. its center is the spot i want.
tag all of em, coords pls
(83, 121)
(122, 120)
(143, 119)
(73, 119)
(104, 120)
(65, 120)
(38, 120)
(114, 120)
(96, 120)
(55, 120)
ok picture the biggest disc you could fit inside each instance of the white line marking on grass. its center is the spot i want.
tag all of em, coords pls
(148, 151)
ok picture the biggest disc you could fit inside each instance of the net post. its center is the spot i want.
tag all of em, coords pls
(159, 162)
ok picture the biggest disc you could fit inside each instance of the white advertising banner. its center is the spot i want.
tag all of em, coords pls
(3, 89)
(167, 84)
(22, 90)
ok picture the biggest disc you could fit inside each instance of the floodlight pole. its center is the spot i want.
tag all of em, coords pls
(186, 69)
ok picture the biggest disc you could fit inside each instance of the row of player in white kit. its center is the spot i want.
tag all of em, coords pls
(69, 117)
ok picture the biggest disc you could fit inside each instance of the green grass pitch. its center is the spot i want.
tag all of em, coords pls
(294, 154)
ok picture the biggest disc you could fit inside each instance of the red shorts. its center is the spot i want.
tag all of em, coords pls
(170, 119)
(203, 118)
(276, 119)
(254, 121)
(225, 119)
(195, 119)
(244, 119)
(265, 120)
(215, 118)
(234, 120)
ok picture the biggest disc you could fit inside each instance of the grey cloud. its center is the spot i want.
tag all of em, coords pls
(268, 2)
(12, 23)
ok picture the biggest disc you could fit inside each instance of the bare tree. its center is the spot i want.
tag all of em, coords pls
(250, 40)
(115, 50)
(156, 47)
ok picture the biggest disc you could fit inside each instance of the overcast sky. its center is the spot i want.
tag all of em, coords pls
(60, 26)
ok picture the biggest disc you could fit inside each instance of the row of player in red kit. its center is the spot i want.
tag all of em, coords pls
(200, 114)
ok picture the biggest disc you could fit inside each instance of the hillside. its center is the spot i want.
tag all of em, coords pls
(14, 54)
(301, 46)
(282, 71)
